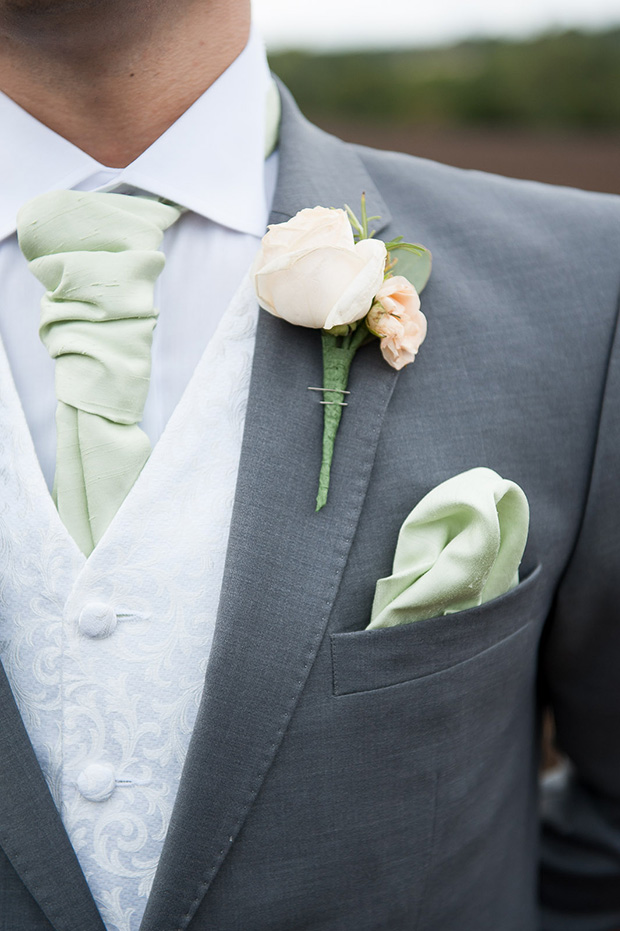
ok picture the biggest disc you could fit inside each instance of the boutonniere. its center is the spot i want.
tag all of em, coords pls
(325, 270)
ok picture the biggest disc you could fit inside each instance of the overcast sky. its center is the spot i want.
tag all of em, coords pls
(318, 24)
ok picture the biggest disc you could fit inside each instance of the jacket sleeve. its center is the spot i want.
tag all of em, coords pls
(580, 845)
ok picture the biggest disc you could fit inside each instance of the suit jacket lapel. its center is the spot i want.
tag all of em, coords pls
(31, 832)
(284, 561)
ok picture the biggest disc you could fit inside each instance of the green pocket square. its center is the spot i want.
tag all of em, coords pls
(459, 547)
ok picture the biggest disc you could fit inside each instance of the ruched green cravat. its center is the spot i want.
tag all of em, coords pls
(97, 256)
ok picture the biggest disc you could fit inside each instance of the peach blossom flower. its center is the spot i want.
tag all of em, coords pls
(396, 318)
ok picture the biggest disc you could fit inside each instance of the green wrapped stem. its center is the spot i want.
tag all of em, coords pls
(338, 353)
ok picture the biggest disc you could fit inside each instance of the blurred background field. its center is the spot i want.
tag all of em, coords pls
(544, 107)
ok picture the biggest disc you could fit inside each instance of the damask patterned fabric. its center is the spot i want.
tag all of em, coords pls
(107, 655)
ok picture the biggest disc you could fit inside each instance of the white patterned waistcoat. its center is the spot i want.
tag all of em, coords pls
(107, 655)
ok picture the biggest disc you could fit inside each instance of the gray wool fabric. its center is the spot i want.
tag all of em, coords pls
(340, 779)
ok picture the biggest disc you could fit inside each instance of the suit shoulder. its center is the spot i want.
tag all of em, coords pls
(409, 180)
(491, 222)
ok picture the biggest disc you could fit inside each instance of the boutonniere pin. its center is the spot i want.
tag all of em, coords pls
(325, 270)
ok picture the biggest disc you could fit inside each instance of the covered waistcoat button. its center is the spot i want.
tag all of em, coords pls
(97, 619)
(97, 782)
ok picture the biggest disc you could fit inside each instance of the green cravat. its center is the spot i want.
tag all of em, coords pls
(97, 256)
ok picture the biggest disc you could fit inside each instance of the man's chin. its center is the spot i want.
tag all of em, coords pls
(77, 25)
(47, 7)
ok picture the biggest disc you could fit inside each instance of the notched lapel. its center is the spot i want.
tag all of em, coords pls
(31, 833)
(284, 561)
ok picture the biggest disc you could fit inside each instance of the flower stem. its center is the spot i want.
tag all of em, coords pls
(336, 364)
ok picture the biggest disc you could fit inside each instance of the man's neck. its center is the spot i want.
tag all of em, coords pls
(111, 78)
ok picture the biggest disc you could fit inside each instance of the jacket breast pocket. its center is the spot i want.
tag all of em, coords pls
(376, 659)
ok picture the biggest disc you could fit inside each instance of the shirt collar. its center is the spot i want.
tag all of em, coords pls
(211, 160)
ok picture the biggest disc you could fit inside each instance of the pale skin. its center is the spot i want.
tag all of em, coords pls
(112, 75)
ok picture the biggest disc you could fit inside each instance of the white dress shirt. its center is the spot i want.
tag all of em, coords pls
(211, 161)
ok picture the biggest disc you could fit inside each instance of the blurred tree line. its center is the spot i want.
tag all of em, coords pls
(561, 80)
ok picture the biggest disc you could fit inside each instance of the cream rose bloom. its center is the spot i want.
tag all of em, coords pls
(311, 272)
(397, 319)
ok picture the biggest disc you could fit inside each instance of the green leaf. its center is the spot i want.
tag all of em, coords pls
(355, 223)
(413, 262)
(393, 243)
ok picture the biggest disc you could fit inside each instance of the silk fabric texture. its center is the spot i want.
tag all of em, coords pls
(96, 254)
(459, 547)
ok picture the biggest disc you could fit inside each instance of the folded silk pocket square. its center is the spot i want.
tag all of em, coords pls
(459, 547)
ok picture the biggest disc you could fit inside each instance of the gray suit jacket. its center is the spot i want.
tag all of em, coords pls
(345, 780)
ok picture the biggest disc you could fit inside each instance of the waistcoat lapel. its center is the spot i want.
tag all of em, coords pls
(284, 561)
(31, 832)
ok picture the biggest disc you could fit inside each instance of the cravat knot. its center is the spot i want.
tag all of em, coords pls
(96, 254)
